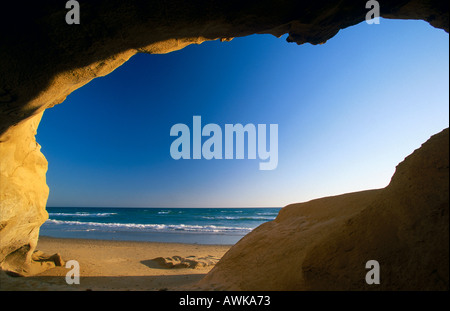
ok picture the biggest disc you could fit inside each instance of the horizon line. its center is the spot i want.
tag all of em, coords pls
(158, 207)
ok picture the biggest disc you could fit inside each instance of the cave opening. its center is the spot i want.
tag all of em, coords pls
(348, 111)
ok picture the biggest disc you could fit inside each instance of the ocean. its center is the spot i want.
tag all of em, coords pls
(177, 225)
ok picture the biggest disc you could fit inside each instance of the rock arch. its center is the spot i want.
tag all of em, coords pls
(43, 60)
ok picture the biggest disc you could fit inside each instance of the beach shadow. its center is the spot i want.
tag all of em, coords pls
(103, 283)
(178, 262)
(153, 264)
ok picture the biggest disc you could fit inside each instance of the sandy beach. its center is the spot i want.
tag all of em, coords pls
(119, 265)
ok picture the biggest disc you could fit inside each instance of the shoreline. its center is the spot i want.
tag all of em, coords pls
(210, 226)
(46, 238)
(119, 265)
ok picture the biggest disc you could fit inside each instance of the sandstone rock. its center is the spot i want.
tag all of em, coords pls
(324, 244)
(23, 196)
(41, 256)
(44, 60)
(191, 262)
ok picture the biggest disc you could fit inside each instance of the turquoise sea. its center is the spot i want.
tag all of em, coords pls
(180, 225)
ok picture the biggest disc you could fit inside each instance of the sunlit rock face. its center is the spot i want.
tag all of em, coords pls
(23, 195)
(42, 60)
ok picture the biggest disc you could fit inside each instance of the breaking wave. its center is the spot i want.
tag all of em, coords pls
(150, 227)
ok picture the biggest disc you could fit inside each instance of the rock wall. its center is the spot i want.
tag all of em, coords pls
(42, 60)
(23, 196)
(324, 244)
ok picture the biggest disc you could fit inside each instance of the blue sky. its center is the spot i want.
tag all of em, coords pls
(348, 112)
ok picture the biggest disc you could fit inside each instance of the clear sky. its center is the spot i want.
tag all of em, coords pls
(347, 112)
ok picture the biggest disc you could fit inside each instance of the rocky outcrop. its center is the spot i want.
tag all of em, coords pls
(23, 196)
(324, 244)
(191, 262)
(42, 60)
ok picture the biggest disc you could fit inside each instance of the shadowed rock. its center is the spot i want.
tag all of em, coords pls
(324, 244)
(191, 262)
(43, 60)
